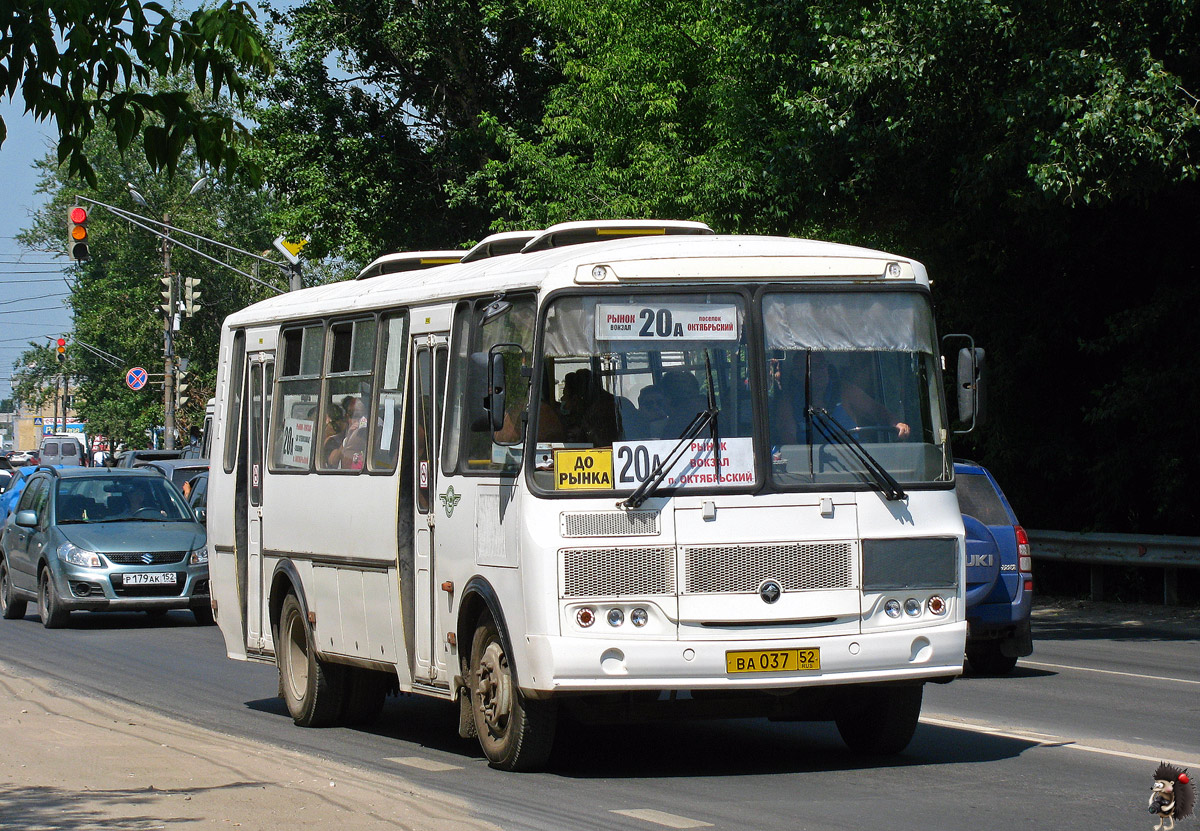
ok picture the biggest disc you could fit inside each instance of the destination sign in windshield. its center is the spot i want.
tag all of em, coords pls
(666, 322)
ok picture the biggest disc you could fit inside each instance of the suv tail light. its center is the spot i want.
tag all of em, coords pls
(1024, 558)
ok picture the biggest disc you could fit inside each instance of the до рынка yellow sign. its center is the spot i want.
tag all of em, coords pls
(583, 469)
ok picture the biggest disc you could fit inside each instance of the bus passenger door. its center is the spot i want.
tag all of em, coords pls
(260, 378)
(429, 383)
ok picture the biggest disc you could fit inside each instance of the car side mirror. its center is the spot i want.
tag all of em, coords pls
(201, 516)
(26, 519)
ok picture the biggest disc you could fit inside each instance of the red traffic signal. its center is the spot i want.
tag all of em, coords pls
(77, 240)
(61, 349)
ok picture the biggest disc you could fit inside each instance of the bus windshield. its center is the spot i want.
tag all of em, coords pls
(629, 374)
(625, 375)
(852, 383)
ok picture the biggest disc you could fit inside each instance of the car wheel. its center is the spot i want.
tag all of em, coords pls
(514, 732)
(11, 608)
(880, 721)
(987, 659)
(312, 688)
(51, 611)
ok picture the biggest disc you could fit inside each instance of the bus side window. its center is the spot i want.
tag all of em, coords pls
(393, 359)
(293, 430)
(348, 395)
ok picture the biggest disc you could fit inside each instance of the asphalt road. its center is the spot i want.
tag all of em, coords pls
(1069, 740)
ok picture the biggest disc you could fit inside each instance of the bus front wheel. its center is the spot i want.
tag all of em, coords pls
(514, 732)
(311, 688)
(879, 721)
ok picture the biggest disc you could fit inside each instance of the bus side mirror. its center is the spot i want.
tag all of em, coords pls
(496, 397)
(487, 396)
(972, 390)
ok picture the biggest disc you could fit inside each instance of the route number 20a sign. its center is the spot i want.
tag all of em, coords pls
(668, 322)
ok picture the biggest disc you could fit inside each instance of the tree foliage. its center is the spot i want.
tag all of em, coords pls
(365, 156)
(83, 64)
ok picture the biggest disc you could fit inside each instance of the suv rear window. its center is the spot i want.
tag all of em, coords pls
(977, 498)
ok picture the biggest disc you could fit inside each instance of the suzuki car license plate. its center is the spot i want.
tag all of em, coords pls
(773, 660)
(156, 578)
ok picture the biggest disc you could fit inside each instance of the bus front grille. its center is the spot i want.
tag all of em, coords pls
(618, 572)
(609, 523)
(724, 569)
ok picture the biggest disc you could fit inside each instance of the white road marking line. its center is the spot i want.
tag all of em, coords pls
(1051, 741)
(423, 764)
(1111, 672)
(663, 818)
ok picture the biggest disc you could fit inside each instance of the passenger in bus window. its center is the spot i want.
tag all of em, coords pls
(354, 445)
(335, 433)
(845, 401)
(650, 419)
(589, 411)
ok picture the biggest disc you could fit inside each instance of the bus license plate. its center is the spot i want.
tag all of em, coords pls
(773, 660)
(150, 579)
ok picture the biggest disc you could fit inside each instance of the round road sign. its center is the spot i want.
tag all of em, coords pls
(136, 378)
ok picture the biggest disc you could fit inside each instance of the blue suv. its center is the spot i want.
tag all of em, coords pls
(999, 578)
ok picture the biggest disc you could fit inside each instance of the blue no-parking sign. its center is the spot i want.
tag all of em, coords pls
(136, 378)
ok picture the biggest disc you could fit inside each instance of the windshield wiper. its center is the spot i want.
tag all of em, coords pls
(650, 484)
(834, 431)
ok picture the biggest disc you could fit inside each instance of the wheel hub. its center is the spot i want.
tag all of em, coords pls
(493, 689)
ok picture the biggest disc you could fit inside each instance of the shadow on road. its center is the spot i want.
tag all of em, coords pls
(45, 807)
(91, 621)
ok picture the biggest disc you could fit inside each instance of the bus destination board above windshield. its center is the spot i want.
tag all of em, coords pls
(666, 322)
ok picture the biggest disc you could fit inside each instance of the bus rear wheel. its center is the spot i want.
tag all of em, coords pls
(880, 721)
(515, 733)
(311, 688)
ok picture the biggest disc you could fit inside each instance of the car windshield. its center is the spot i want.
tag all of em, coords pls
(119, 499)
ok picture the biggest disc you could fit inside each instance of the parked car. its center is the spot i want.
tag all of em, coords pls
(130, 458)
(102, 540)
(179, 471)
(999, 582)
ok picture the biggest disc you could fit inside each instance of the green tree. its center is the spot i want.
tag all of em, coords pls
(84, 64)
(364, 157)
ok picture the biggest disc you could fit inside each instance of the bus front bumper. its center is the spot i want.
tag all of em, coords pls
(563, 664)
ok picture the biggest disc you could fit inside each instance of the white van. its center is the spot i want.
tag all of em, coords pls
(64, 449)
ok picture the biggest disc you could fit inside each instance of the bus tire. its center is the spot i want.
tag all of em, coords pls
(515, 733)
(366, 691)
(11, 607)
(52, 613)
(312, 688)
(880, 721)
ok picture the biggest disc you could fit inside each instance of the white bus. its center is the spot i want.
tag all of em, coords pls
(633, 467)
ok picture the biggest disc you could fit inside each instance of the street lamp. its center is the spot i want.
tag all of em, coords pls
(169, 318)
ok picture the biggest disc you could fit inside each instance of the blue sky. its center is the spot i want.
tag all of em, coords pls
(33, 286)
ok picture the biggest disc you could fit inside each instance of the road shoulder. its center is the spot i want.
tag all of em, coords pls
(72, 761)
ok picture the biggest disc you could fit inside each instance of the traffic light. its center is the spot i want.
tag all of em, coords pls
(182, 382)
(77, 239)
(191, 295)
(61, 349)
(167, 306)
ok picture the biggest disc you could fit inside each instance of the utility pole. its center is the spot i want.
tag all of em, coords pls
(168, 341)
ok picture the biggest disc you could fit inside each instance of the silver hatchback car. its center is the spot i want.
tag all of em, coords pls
(100, 539)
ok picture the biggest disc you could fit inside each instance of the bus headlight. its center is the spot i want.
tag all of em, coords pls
(639, 617)
(892, 607)
(76, 556)
(615, 617)
(912, 607)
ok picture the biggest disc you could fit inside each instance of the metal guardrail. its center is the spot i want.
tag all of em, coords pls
(1098, 550)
